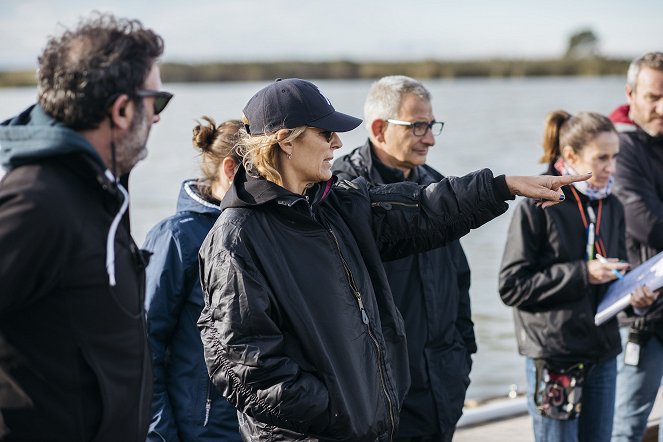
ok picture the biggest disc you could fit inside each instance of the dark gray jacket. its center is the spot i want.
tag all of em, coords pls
(639, 186)
(431, 290)
(299, 327)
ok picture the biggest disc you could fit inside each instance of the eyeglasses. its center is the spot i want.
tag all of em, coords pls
(419, 128)
(161, 98)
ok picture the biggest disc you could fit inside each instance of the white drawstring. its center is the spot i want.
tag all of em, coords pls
(110, 241)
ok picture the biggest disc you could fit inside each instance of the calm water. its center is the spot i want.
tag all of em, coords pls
(489, 123)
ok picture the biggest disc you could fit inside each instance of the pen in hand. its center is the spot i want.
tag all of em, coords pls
(603, 260)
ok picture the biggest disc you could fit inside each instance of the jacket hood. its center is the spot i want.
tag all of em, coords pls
(249, 191)
(191, 199)
(34, 135)
(621, 120)
(624, 124)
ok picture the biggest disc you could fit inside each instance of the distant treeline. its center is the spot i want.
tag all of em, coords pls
(426, 69)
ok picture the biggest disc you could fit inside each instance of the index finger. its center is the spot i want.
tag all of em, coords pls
(568, 179)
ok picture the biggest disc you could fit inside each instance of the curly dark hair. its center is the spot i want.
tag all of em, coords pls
(83, 69)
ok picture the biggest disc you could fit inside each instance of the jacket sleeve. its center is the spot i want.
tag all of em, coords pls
(166, 291)
(244, 348)
(464, 323)
(35, 241)
(636, 188)
(524, 280)
(343, 174)
(408, 218)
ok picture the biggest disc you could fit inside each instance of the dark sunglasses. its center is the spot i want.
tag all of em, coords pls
(161, 98)
(326, 134)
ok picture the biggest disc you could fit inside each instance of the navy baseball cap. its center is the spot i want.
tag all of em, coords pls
(290, 103)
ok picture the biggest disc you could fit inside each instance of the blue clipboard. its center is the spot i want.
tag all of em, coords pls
(618, 296)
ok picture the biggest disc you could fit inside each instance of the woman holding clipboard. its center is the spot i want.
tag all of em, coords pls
(551, 275)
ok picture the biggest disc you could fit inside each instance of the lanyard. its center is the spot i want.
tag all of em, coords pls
(592, 225)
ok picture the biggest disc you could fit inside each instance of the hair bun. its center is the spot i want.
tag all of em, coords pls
(204, 135)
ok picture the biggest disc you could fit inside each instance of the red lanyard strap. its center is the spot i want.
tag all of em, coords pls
(580, 208)
(597, 227)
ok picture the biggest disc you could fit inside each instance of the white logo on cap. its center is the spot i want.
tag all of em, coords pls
(323, 96)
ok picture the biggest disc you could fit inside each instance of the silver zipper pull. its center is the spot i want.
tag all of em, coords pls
(208, 406)
(364, 316)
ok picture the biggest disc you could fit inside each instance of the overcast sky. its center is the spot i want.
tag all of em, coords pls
(236, 30)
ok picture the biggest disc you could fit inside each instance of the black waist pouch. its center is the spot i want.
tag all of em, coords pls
(558, 391)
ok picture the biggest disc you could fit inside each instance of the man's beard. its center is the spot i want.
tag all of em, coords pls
(131, 148)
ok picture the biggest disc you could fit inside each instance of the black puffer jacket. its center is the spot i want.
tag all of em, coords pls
(300, 330)
(431, 290)
(81, 349)
(544, 275)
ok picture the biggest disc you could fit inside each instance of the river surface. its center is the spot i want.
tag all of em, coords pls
(494, 123)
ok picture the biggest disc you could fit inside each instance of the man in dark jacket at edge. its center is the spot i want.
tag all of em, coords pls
(431, 289)
(639, 186)
(73, 347)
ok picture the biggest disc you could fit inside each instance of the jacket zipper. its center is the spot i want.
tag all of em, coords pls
(208, 402)
(146, 349)
(364, 318)
(393, 203)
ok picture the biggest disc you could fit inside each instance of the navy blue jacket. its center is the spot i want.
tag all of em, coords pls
(431, 290)
(186, 406)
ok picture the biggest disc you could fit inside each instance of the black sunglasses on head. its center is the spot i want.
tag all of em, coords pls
(161, 98)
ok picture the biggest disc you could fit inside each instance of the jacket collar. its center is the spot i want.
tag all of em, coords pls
(249, 190)
(620, 115)
(34, 135)
(192, 199)
(368, 164)
(624, 124)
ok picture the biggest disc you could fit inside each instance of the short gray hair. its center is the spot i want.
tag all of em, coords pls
(385, 95)
(652, 60)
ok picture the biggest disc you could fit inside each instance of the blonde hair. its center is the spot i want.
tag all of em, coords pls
(563, 129)
(215, 144)
(261, 152)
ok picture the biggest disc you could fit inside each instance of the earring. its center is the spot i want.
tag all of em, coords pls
(289, 156)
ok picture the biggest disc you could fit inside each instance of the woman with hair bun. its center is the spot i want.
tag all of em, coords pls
(554, 274)
(185, 405)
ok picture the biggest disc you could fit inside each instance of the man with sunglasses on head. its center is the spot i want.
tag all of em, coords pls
(73, 347)
(430, 289)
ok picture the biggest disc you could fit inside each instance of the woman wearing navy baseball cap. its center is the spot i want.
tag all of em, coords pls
(299, 327)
